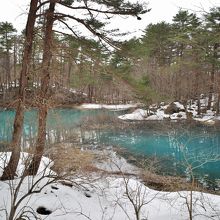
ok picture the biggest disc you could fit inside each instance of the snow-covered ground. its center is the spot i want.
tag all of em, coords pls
(101, 198)
(112, 162)
(110, 107)
(159, 113)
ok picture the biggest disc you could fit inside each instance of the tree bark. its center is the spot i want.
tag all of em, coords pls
(10, 170)
(69, 71)
(15, 61)
(43, 94)
(197, 93)
(217, 104)
(211, 88)
(8, 71)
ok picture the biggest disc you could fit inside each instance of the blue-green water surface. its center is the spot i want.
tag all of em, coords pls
(57, 120)
(177, 150)
(177, 147)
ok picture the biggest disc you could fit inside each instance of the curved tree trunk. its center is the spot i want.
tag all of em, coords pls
(10, 170)
(43, 94)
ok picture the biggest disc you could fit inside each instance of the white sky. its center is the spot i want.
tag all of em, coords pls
(15, 11)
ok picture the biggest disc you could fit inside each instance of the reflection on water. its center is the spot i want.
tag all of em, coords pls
(62, 125)
(177, 146)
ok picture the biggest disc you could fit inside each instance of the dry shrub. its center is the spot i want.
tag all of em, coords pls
(101, 120)
(164, 183)
(70, 159)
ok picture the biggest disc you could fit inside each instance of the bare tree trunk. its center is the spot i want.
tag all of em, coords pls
(211, 88)
(10, 170)
(176, 87)
(199, 105)
(33, 64)
(43, 96)
(15, 61)
(8, 71)
(197, 93)
(69, 71)
(217, 104)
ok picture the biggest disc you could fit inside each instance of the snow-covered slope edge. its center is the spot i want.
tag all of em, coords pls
(102, 198)
(172, 111)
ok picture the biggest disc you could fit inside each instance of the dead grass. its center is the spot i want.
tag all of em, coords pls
(69, 159)
(100, 121)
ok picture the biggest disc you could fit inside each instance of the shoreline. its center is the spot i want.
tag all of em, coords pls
(88, 195)
(118, 161)
(210, 121)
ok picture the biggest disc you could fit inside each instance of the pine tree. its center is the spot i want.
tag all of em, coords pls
(7, 32)
(10, 170)
(157, 42)
(186, 54)
(92, 21)
(212, 28)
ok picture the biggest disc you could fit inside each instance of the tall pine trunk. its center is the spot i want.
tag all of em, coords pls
(43, 94)
(10, 170)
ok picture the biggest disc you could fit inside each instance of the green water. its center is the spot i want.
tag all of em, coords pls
(57, 119)
(175, 150)
(176, 147)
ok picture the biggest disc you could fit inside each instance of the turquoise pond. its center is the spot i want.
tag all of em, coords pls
(175, 146)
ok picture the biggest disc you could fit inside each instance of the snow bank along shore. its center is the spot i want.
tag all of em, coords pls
(172, 111)
(90, 196)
